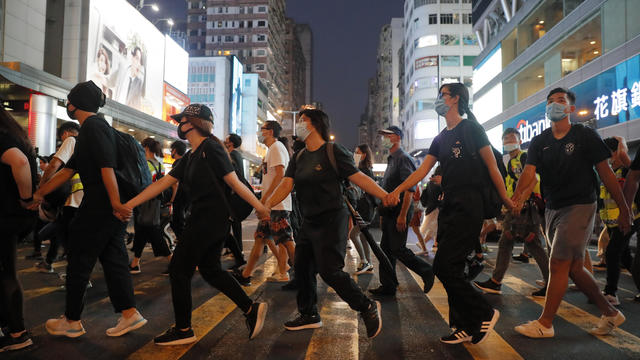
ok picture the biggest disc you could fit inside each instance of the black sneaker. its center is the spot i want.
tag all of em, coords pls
(244, 281)
(304, 322)
(475, 268)
(372, 319)
(524, 259)
(428, 280)
(456, 337)
(485, 328)
(44, 267)
(134, 269)
(8, 342)
(540, 293)
(488, 286)
(382, 291)
(255, 318)
(291, 285)
(175, 336)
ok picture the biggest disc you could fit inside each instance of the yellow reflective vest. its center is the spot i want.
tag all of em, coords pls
(609, 212)
(514, 170)
(76, 184)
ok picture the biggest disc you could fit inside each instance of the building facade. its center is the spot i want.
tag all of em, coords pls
(252, 30)
(305, 36)
(295, 76)
(528, 48)
(439, 47)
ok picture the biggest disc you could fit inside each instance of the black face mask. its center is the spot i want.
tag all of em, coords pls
(181, 133)
(71, 114)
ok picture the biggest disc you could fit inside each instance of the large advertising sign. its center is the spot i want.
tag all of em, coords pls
(173, 103)
(176, 65)
(125, 55)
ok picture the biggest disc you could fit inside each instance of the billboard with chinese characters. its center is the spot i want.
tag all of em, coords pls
(125, 55)
(611, 97)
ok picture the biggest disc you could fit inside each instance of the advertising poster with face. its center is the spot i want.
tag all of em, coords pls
(125, 55)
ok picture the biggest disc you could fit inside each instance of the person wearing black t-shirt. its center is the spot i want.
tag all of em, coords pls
(394, 220)
(95, 233)
(234, 241)
(179, 199)
(18, 170)
(630, 193)
(207, 175)
(461, 215)
(564, 156)
(322, 240)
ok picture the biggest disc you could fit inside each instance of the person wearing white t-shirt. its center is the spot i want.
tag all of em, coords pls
(279, 227)
(67, 133)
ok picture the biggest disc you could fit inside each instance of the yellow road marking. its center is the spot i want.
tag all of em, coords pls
(338, 337)
(494, 347)
(34, 293)
(32, 269)
(619, 338)
(204, 319)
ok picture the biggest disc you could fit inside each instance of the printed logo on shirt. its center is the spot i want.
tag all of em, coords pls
(456, 150)
(569, 148)
(318, 167)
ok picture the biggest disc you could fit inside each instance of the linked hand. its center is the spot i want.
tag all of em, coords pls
(122, 212)
(37, 200)
(392, 199)
(263, 213)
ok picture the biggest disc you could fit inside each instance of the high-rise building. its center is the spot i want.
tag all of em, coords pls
(305, 35)
(252, 30)
(529, 48)
(439, 48)
(295, 76)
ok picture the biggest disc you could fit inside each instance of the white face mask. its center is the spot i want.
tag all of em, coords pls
(386, 143)
(555, 111)
(357, 158)
(511, 147)
(302, 131)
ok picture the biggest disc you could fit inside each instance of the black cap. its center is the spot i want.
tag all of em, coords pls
(86, 96)
(199, 111)
(391, 130)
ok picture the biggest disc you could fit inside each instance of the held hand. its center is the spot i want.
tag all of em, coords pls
(392, 199)
(125, 211)
(401, 223)
(510, 204)
(263, 213)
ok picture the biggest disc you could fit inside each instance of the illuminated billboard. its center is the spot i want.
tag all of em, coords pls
(176, 65)
(125, 55)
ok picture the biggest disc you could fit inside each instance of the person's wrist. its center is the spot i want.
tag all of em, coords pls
(27, 200)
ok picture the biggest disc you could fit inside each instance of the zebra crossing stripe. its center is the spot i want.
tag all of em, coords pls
(495, 347)
(204, 318)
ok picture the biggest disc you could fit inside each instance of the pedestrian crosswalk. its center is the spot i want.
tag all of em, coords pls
(412, 322)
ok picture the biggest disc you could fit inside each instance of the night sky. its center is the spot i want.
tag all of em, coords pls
(345, 44)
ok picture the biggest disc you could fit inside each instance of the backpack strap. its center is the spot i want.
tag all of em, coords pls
(332, 157)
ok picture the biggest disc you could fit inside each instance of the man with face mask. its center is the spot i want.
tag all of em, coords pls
(524, 224)
(395, 219)
(564, 156)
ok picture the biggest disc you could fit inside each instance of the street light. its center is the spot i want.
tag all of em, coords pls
(332, 137)
(293, 112)
(153, 6)
(168, 20)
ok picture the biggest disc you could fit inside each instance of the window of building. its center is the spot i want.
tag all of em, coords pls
(220, 24)
(449, 39)
(261, 52)
(450, 60)
(262, 9)
(261, 37)
(446, 19)
(424, 41)
(433, 19)
(241, 9)
(422, 105)
(228, 38)
(249, 24)
(241, 38)
(262, 23)
(466, 1)
(449, 1)
(466, 19)
(241, 24)
(193, 33)
(418, 3)
(468, 60)
(469, 40)
(259, 67)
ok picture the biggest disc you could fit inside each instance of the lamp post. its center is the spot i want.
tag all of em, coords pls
(153, 6)
(293, 112)
(168, 20)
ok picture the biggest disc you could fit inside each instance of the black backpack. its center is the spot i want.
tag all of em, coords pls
(132, 171)
(492, 204)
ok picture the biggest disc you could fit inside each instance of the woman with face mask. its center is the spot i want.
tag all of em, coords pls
(199, 246)
(321, 243)
(363, 157)
(461, 216)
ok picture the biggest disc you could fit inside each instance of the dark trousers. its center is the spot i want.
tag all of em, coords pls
(234, 242)
(49, 232)
(617, 252)
(93, 237)
(10, 290)
(37, 241)
(459, 224)
(152, 235)
(178, 218)
(201, 245)
(320, 249)
(394, 245)
(62, 233)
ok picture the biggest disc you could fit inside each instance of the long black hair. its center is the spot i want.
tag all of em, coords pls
(458, 89)
(10, 126)
(367, 162)
(319, 120)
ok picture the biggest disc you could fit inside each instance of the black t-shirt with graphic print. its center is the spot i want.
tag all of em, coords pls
(566, 165)
(318, 187)
(450, 147)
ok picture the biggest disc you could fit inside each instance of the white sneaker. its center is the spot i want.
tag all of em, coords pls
(278, 278)
(535, 330)
(607, 324)
(61, 326)
(612, 299)
(125, 325)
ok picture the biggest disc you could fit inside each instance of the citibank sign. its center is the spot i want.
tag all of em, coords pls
(529, 130)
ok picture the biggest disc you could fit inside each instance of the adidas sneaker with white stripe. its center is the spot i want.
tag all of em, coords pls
(456, 337)
(485, 328)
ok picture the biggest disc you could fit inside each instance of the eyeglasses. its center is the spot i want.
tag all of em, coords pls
(442, 94)
(264, 128)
